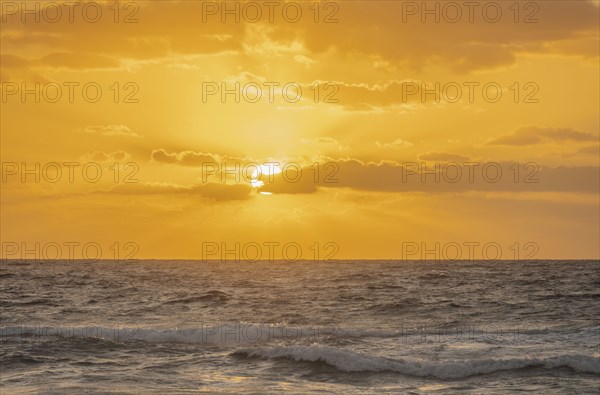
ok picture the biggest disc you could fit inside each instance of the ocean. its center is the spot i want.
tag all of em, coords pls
(353, 327)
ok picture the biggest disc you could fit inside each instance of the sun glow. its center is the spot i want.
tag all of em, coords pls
(265, 172)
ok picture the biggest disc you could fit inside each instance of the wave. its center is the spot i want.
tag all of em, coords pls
(240, 333)
(227, 334)
(208, 296)
(219, 334)
(350, 361)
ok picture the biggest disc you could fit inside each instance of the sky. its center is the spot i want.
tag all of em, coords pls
(300, 130)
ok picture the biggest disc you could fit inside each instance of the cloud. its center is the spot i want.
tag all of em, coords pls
(325, 142)
(356, 96)
(439, 177)
(304, 60)
(18, 70)
(110, 130)
(592, 150)
(531, 135)
(12, 61)
(292, 182)
(394, 144)
(443, 157)
(361, 30)
(184, 158)
(77, 61)
(464, 45)
(62, 60)
(110, 157)
(435, 172)
(211, 190)
(153, 32)
(404, 94)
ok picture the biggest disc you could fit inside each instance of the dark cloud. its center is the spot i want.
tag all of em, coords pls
(163, 30)
(592, 150)
(381, 30)
(440, 177)
(531, 135)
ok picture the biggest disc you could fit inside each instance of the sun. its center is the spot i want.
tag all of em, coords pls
(264, 172)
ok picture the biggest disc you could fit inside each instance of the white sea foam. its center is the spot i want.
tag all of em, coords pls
(350, 361)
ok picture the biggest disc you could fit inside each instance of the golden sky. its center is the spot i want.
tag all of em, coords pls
(395, 98)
